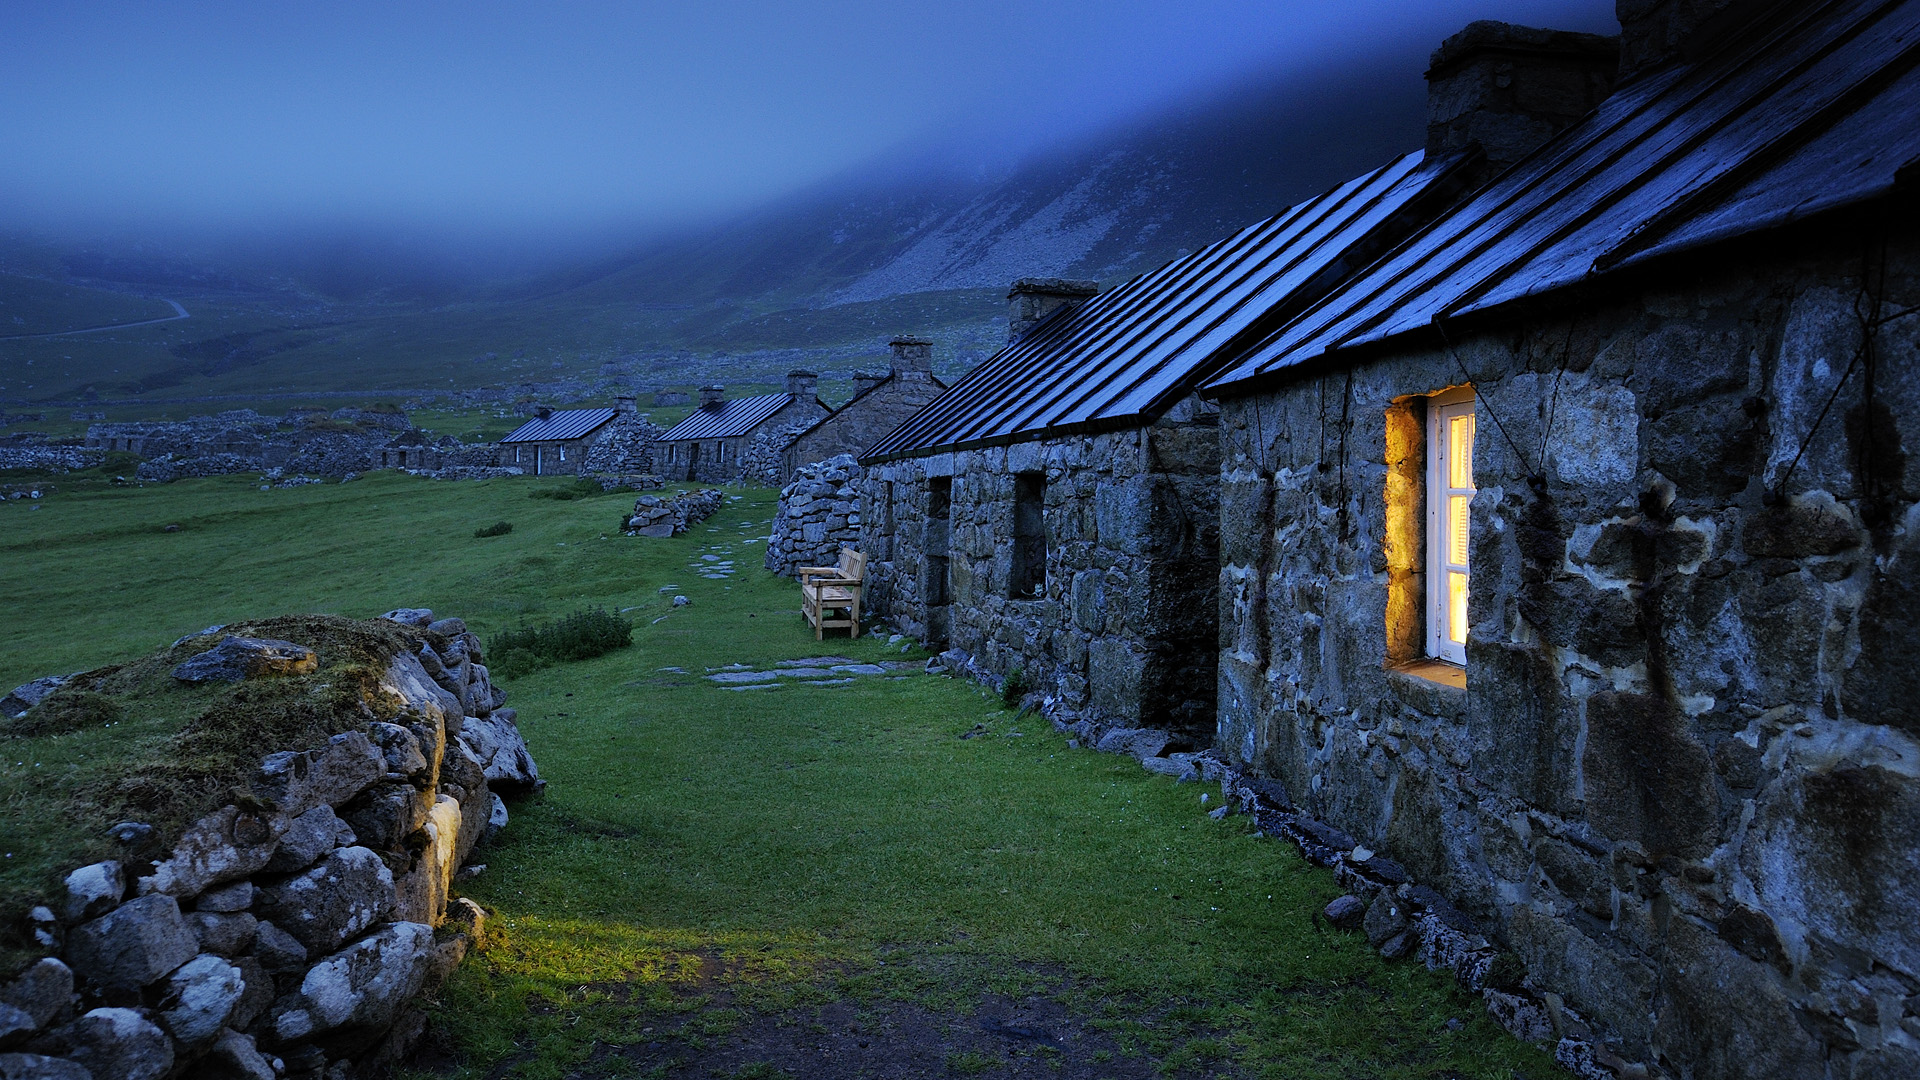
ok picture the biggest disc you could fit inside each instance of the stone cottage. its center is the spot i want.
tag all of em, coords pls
(1055, 513)
(881, 401)
(710, 446)
(556, 440)
(1570, 551)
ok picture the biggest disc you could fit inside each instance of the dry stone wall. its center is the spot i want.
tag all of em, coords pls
(1682, 782)
(1124, 628)
(819, 514)
(661, 517)
(284, 934)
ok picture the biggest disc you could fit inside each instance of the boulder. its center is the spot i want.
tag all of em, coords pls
(297, 781)
(27, 695)
(452, 626)
(235, 897)
(223, 934)
(38, 1067)
(497, 818)
(1181, 771)
(276, 950)
(363, 985)
(43, 992)
(238, 658)
(200, 996)
(93, 891)
(1384, 920)
(383, 817)
(1142, 743)
(308, 837)
(120, 1044)
(227, 844)
(1346, 912)
(132, 945)
(257, 995)
(421, 895)
(410, 616)
(349, 891)
(399, 747)
(503, 755)
(234, 1057)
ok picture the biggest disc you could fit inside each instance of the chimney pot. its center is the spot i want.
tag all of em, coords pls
(1508, 89)
(802, 383)
(912, 355)
(543, 411)
(711, 396)
(626, 404)
(1032, 299)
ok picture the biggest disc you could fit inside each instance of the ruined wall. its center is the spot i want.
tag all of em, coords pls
(1124, 628)
(1682, 782)
(819, 514)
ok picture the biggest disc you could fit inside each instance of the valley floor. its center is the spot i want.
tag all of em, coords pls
(812, 875)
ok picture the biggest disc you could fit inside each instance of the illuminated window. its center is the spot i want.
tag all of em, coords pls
(1449, 503)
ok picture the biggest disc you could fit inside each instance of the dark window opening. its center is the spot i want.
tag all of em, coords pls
(1029, 537)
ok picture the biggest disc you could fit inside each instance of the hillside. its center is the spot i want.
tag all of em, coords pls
(821, 279)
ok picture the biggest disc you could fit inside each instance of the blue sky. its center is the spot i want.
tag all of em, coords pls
(581, 116)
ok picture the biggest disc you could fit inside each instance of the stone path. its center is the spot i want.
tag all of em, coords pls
(810, 671)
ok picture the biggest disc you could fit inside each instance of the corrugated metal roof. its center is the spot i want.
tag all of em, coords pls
(563, 424)
(1128, 354)
(1810, 109)
(735, 417)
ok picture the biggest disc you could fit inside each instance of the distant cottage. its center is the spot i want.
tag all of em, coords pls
(710, 446)
(576, 440)
(880, 403)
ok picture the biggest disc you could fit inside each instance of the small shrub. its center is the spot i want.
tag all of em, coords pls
(580, 636)
(581, 488)
(1015, 688)
(498, 528)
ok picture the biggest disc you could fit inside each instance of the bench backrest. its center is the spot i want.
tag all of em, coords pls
(853, 564)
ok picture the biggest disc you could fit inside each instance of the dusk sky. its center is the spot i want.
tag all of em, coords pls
(573, 116)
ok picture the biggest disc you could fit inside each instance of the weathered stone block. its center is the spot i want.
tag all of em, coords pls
(133, 945)
(349, 891)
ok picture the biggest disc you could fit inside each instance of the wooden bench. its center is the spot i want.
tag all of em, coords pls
(825, 590)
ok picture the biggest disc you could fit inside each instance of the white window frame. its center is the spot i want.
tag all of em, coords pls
(1445, 614)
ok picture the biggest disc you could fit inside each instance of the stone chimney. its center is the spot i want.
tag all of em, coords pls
(912, 357)
(543, 411)
(1655, 31)
(802, 383)
(1508, 89)
(711, 396)
(864, 381)
(1032, 299)
(625, 405)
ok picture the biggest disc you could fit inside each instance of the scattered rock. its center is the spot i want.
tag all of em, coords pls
(308, 837)
(93, 890)
(200, 997)
(363, 985)
(223, 933)
(132, 945)
(238, 658)
(27, 695)
(1384, 919)
(229, 843)
(1181, 771)
(234, 1057)
(681, 601)
(1346, 912)
(349, 891)
(38, 1067)
(120, 1044)
(1142, 743)
(497, 818)
(44, 991)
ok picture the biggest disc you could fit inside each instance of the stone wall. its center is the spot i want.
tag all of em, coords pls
(861, 422)
(819, 514)
(1124, 628)
(1680, 782)
(623, 447)
(286, 933)
(763, 464)
(656, 516)
(241, 440)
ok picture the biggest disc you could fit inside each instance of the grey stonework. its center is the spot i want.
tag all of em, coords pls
(1680, 782)
(882, 404)
(1124, 627)
(819, 514)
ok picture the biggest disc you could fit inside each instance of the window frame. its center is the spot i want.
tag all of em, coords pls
(1442, 408)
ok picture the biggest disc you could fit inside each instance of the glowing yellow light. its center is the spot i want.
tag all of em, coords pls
(1457, 518)
(1460, 451)
(1457, 607)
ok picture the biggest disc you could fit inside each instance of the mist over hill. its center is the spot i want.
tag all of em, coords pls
(924, 241)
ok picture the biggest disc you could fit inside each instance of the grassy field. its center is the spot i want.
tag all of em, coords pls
(749, 883)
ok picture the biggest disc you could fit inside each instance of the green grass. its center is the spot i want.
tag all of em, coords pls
(790, 846)
(30, 305)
